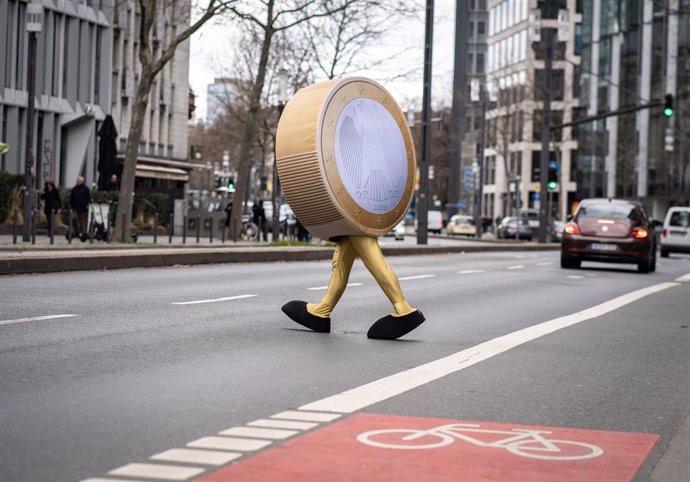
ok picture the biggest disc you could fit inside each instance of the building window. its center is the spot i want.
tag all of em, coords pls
(9, 38)
(19, 45)
(470, 31)
(65, 55)
(481, 31)
(3, 138)
(480, 63)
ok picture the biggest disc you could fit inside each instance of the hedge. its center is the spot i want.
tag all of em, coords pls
(8, 182)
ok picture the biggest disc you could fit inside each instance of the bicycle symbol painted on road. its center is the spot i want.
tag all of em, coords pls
(524, 443)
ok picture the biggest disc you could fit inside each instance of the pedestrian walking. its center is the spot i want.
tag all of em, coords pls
(51, 203)
(79, 200)
(228, 213)
(111, 184)
(259, 218)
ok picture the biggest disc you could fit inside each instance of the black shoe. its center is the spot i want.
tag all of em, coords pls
(297, 311)
(391, 327)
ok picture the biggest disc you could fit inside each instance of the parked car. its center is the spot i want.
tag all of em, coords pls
(609, 230)
(434, 222)
(398, 231)
(514, 227)
(462, 225)
(675, 236)
(557, 231)
(531, 215)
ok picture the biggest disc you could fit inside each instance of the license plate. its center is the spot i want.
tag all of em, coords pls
(603, 247)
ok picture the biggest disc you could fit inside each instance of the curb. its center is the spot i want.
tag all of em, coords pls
(90, 261)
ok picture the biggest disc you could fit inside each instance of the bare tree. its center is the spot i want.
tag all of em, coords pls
(152, 60)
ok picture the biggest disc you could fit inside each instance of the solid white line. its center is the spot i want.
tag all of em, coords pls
(36, 318)
(421, 276)
(545, 263)
(684, 279)
(470, 271)
(98, 479)
(317, 288)
(574, 276)
(228, 443)
(191, 456)
(267, 433)
(229, 298)
(306, 416)
(517, 266)
(263, 422)
(393, 385)
(155, 471)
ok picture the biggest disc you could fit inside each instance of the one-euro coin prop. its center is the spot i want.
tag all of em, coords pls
(346, 158)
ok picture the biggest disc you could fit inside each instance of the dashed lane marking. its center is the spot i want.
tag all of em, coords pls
(192, 456)
(229, 443)
(317, 288)
(420, 276)
(307, 416)
(517, 266)
(684, 279)
(156, 471)
(215, 300)
(35, 318)
(471, 271)
(574, 276)
(545, 263)
(268, 433)
(288, 424)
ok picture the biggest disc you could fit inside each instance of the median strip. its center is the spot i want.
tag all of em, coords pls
(35, 318)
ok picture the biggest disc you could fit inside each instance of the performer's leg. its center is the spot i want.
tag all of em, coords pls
(316, 317)
(343, 257)
(404, 318)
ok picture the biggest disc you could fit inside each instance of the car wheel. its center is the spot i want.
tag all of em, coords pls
(645, 266)
(665, 253)
(570, 263)
(652, 267)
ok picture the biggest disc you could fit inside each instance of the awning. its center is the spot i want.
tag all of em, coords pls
(160, 172)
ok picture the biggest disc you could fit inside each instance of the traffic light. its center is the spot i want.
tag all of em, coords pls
(231, 183)
(668, 105)
(553, 175)
(264, 183)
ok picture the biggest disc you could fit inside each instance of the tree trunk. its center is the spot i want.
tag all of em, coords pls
(249, 134)
(126, 198)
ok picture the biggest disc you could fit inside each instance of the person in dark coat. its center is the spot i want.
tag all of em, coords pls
(79, 200)
(111, 185)
(51, 203)
(259, 218)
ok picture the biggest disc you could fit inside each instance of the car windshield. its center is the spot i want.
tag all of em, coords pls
(680, 219)
(463, 221)
(618, 212)
(530, 215)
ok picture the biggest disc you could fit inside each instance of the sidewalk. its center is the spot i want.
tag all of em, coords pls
(44, 258)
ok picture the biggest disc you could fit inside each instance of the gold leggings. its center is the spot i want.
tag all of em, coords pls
(349, 247)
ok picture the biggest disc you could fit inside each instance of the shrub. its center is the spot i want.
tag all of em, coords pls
(8, 183)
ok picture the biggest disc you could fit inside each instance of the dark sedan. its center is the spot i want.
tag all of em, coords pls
(514, 227)
(609, 230)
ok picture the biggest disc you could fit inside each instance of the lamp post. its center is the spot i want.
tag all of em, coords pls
(275, 194)
(34, 11)
(423, 204)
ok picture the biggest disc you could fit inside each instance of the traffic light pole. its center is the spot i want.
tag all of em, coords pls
(29, 163)
(625, 110)
(545, 134)
(423, 201)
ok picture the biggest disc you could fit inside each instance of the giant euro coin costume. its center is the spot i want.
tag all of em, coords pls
(346, 164)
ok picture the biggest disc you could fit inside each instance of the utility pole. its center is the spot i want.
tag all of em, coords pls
(423, 201)
(479, 190)
(545, 137)
(457, 113)
(33, 26)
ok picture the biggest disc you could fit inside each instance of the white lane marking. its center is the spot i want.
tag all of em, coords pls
(306, 416)
(574, 276)
(393, 385)
(317, 288)
(156, 471)
(191, 456)
(267, 433)
(517, 266)
(288, 424)
(420, 276)
(228, 443)
(216, 300)
(36, 318)
(684, 279)
(470, 271)
(545, 263)
(520, 256)
(98, 479)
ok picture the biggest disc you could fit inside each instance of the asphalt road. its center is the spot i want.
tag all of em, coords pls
(135, 373)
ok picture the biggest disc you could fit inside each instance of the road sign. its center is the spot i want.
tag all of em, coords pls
(468, 178)
(460, 204)
(378, 448)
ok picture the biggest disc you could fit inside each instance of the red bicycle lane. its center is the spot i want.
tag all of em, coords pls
(373, 447)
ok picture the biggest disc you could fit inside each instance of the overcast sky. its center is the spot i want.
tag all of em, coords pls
(212, 46)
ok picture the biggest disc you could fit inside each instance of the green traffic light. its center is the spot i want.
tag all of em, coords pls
(552, 185)
(668, 112)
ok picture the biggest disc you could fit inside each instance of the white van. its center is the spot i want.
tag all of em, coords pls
(434, 222)
(675, 238)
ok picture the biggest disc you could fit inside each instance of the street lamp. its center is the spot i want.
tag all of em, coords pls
(34, 24)
(282, 97)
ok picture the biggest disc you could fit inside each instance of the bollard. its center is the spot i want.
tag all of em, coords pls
(210, 231)
(124, 239)
(14, 227)
(69, 227)
(222, 233)
(170, 229)
(198, 228)
(155, 229)
(52, 227)
(184, 230)
(34, 220)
